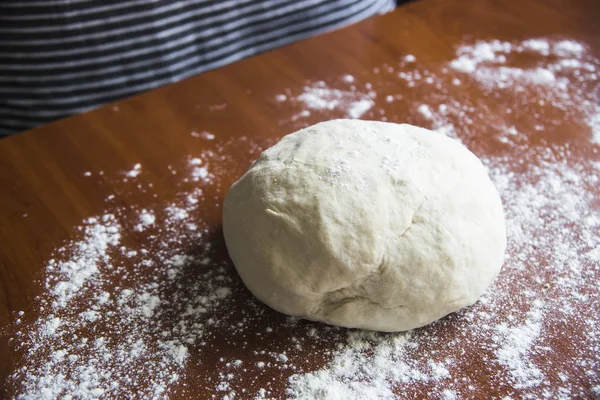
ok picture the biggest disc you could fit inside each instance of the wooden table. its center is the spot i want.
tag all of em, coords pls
(55, 177)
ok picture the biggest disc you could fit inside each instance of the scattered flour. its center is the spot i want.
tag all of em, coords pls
(119, 320)
(114, 326)
(356, 374)
(147, 218)
(426, 111)
(69, 276)
(351, 102)
(199, 171)
(358, 108)
(137, 169)
(516, 343)
(203, 135)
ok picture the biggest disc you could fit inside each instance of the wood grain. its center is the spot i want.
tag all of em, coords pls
(44, 193)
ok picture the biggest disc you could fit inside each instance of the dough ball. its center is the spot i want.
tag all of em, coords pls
(366, 225)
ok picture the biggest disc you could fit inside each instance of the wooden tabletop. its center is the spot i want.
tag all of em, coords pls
(194, 138)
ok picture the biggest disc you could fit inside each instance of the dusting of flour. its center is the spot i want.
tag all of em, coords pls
(351, 101)
(127, 317)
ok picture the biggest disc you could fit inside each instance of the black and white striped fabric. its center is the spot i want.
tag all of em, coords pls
(63, 57)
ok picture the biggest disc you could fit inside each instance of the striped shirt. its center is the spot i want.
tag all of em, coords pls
(63, 57)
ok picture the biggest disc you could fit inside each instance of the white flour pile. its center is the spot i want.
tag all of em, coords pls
(121, 319)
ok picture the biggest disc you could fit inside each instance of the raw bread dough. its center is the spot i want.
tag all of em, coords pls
(367, 225)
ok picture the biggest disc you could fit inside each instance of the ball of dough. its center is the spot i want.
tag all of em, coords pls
(367, 225)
